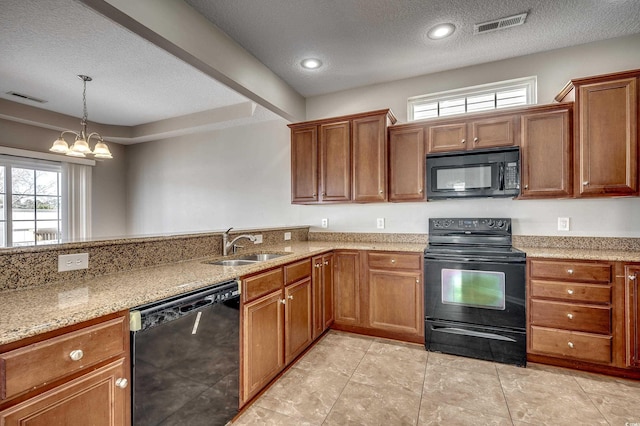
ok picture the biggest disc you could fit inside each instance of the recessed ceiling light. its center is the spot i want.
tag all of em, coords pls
(311, 63)
(441, 31)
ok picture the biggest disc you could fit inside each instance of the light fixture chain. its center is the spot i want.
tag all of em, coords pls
(84, 100)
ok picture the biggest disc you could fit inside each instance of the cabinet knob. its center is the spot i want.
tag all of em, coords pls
(283, 301)
(475, 140)
(417, 280)
(326, 262)
(290, 297)
(526, 187)
(393, 261)
(76, 355)
(569, 291)
(420, 191)
(315, 194)
(380, 191)
(463, 141)
(324, 194)
(585, 183)
(570, 271)
(570, 344)
(317, 265)
(570, 316)
(632, 277)
(121, 382)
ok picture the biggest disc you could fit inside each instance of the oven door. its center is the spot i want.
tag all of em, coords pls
(483, 293)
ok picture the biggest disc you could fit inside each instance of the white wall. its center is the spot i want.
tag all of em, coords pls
(241, 177)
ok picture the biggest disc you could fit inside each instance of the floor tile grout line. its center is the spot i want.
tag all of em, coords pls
(590, 399)
(504, 395)
(424, 381)
(346, 384)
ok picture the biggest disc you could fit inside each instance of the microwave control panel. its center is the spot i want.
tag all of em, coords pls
(511, 176)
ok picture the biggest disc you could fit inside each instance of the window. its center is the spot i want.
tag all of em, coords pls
(30, 201)
(503, 94)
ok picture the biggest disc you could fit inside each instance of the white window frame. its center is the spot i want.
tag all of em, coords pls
(528, 83)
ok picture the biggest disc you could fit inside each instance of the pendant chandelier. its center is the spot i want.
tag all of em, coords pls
(80, 147)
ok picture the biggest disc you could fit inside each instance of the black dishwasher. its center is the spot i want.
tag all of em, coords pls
(185, 357)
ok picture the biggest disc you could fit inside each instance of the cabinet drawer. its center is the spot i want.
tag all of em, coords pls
(31, 366)
(569, 316)
(573, 271)
(394, 260)
(261, 284)
(583, 346)
(297, 271)
(572, 292)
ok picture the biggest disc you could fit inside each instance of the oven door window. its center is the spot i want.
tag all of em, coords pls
(464, 178)
(477, 289)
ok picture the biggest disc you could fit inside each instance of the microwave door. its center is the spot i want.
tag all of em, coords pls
(466, 180)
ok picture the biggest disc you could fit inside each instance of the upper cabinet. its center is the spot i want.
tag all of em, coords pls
(606, 134)
(485, 131)
(406, 164)
(340, 160)
(545, 148)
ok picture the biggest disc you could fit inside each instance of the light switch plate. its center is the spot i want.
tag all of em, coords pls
(380, 223)
(325, 223)
(563, 223)
(287, 236)
(72, 262)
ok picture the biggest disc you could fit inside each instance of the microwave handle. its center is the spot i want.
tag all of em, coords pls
(501, 176)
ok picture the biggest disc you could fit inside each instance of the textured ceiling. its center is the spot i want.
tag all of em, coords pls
(44, 44)
(364, 42)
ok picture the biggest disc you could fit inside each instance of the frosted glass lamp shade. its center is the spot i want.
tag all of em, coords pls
(101, 150)
(60, 146)
(81, 146)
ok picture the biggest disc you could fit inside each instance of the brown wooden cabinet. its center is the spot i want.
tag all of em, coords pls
(346, 284)
(322, 282)
(298, 323)
(632, 315)
(546, 151)
(395, 293)
(75, 375)
(606, 134)
(341, 159)
(570, 312)
(406, 164)
(484, 131)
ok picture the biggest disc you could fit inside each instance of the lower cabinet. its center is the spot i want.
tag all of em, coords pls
(77, 375)
(322, 283)
(277, 323)
(632, 314)
(380, 294)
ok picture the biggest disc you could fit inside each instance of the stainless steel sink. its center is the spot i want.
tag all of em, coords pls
(247, 259)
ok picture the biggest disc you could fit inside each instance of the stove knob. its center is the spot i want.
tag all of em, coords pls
(500, 224)
(491, 223)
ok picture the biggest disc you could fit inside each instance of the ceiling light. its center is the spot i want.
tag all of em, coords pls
(441, 31)
(311, 63)
(80, 146)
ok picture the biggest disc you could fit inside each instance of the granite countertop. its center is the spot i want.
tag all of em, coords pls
(582, 254)
(36, 310)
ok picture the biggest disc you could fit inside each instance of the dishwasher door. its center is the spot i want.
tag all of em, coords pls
(185, 359)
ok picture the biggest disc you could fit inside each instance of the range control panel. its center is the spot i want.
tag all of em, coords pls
(468, 224)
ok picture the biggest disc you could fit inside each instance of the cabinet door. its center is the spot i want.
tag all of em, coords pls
(406, 164)
(369, 159)
(546, 155)
(262, 356)
(316, 284)
(335, 162)
(304, 165)
(493, 132)
(607, 140)
(347, 288)
(395, 301)
(298, 325)
(632, 298)
(327, 291)
(447, 137)
(91, 399)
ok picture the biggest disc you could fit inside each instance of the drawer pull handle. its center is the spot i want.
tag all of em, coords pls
(76, 355)
(122, 382)
(570, 271)
(570, 316)
(569, 291)
(570, 344)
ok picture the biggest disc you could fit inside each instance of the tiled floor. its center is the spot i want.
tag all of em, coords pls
(348, 379)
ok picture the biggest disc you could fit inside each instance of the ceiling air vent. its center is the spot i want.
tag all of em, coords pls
(26, 97)
(499, 24)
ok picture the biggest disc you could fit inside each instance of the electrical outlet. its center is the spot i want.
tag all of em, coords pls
(380, 223)
(72, 262)
(325, 223)
(563, 223)
(258, 239)
(287, 236)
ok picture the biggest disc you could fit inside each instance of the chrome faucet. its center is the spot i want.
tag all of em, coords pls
(226, 244)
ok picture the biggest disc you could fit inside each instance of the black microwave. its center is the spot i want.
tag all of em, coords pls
(479, 173)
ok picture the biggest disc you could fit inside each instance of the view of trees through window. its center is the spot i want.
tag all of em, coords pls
(35, 199)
